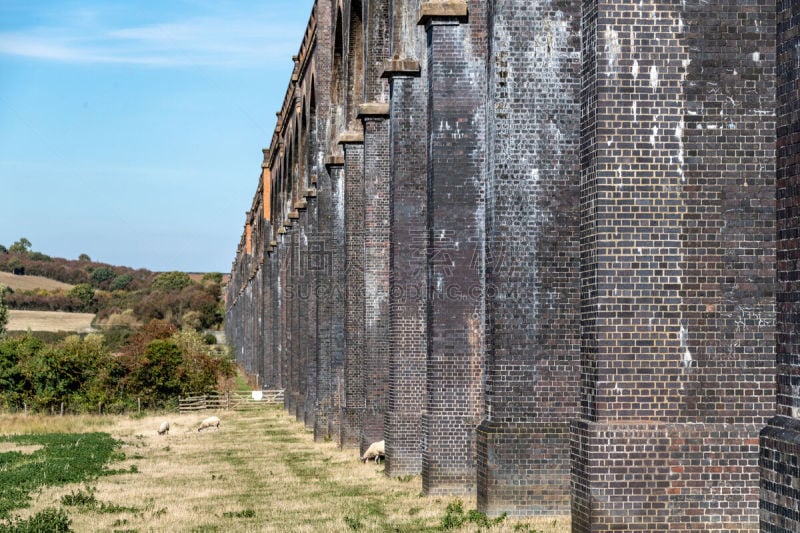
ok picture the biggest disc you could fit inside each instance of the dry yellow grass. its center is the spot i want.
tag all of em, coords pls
(29, 283)
(259, 472)
(49, 321)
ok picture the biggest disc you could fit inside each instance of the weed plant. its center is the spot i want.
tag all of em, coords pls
(46, 521)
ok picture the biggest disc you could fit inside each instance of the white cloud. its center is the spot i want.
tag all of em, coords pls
(201, 41)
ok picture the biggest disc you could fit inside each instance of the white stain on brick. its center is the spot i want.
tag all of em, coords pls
(653, 136)
(612, 48)
(635, 69)
(653, 77)
(756, 56)
(635, 112)
(683, 336)
(679, 137)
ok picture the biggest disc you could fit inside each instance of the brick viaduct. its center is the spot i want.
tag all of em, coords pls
(547, 250)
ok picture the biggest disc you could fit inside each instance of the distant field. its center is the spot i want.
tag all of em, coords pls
(27, 283)
(49, 321)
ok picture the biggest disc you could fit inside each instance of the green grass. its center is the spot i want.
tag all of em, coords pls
(62, 459)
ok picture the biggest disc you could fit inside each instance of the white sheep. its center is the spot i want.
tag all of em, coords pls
(211, 421)
(164, 427)
(376, 450)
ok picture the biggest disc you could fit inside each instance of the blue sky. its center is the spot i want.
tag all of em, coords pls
(132, 130)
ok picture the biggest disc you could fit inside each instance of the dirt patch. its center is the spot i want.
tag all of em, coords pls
(6, 447)
(29, 283)
(49, 321)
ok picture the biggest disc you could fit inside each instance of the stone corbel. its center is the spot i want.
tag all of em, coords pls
(373, 109)
(334, 160)
(351, 137)
(400, 67)
(443, 9)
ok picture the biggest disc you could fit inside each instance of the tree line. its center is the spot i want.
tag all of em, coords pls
(151, 369)
(118, 295)
(149, 348)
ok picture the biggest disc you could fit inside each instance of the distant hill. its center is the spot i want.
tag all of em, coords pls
(29, 283)
(118, 295)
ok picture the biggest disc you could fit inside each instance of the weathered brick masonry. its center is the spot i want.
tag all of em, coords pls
(677, 265)
(532, 257)
(531, 245)
(780, 440)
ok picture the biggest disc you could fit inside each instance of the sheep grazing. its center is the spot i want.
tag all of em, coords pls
(164, 427)
(211, 421)
(376, 450)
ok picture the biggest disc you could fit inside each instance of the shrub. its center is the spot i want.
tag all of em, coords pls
(48, 520)
(121, 282)
(83, 292)
(101, 274)
(455, 517)
(171, 281)
(213, 277)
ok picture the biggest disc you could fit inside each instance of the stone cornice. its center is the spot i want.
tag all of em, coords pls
(351, 137)
(334, 160)
(373, 109)
(442, 9)
(400, 67)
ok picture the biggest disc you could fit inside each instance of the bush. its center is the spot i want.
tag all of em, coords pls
(121, 282)
(171, 281)
(83, 292)
(212, 277)
(101, 274)
(455, 517)
(49, 520)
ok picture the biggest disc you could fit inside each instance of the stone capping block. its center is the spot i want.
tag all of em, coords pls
(373, 109)
(442, 9)
(299, 204)
(351, 137)
(334, 161)
(294, 215)
(311, 193)
(273, 243)
(282, 229)
(400, 67)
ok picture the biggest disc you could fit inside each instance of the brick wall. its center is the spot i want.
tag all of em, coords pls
(408, 240)
(780, 440)
(376, 271)
(627, 285)
(677, 262)
(455, 315)
(408, 280)
(532, 276)
(353, 408)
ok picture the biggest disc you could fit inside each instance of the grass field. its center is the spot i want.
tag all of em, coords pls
(49, 321)
(261, 471)
(28, 283)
